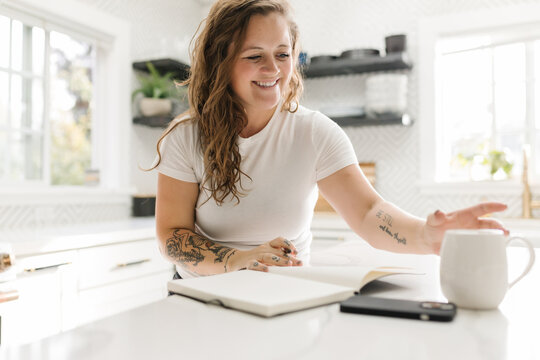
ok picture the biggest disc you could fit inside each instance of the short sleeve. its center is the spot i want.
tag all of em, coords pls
(333, 147)
(178, 154)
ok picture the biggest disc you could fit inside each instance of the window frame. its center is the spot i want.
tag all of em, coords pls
(111, 129)
(429, 134)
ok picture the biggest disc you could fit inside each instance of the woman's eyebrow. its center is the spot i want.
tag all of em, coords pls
(260, 48)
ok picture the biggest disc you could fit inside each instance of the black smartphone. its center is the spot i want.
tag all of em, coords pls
(421, 310)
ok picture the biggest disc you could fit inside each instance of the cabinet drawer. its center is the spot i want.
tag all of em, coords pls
(108, 300)
(109, 264)
(37, 313)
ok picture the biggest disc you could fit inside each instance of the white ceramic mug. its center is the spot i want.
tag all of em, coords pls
(474, 269)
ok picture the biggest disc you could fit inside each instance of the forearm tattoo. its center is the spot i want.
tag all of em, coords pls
(191, 249)
(386, 227)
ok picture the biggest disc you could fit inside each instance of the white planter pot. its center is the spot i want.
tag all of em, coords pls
(155, 107)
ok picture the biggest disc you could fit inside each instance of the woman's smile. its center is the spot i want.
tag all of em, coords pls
(266, 84)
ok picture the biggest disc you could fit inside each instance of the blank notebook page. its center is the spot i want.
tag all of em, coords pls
(261, 293)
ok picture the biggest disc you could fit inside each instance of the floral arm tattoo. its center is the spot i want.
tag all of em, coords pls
(189, 249)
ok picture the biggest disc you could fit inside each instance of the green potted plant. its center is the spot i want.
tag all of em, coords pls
(494, 164)
(156, 90)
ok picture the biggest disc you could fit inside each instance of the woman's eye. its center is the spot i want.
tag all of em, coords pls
(254, 57)
(283, 56)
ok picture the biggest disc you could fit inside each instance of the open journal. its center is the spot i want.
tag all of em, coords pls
(282, 289)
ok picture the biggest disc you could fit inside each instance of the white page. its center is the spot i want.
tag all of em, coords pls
(262, 293)
(350, 276)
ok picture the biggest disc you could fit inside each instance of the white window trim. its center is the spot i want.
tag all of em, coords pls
(112, 131)
(430, 29)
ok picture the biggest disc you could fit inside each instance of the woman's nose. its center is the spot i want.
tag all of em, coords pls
(270, 66)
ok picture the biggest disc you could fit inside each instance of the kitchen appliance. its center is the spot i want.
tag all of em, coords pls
(143, 205)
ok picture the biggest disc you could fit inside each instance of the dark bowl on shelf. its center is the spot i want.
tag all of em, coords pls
(359, 53)
(322, 59)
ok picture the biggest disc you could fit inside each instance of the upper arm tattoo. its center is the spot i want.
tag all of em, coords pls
(386, 227)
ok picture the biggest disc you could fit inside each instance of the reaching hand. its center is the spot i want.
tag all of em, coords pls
(469, 218)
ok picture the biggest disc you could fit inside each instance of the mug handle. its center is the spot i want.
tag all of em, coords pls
(531, 258)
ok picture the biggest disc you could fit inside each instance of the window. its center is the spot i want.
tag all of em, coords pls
(46, 104)
(487, 105)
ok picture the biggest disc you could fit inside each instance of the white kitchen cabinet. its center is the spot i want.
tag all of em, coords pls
(107, 300)
(116, 278)
(108, 264)
(69, 288)
(47, 297)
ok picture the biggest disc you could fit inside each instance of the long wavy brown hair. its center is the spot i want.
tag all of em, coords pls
(214, 107)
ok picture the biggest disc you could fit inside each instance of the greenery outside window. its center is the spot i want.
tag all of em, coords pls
(46, 104)
(488, 107)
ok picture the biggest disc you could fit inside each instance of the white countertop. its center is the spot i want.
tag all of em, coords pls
(38, 241)
(62, 238)
(27, 242)
(178, 327)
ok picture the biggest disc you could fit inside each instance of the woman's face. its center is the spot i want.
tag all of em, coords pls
(263, 68)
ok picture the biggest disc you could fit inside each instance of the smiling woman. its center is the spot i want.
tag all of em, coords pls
(239, 171)
(263, 69)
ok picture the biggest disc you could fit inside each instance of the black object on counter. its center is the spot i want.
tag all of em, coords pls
(143, 205)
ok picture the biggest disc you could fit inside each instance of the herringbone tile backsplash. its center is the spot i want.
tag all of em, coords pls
(38, 216)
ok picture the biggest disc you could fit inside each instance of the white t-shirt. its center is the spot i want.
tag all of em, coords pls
(284, 161)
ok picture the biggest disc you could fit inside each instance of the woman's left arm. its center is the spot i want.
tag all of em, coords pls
(386, 226)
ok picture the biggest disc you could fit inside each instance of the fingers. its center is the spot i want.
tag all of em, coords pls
(286, 245)
(492, 224)
(278, 252)
(257, 266)
(275, 260)
(486, 208)
(286, 255)
(269, 259)
(437, 218)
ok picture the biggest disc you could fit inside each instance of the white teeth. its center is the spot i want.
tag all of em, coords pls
(266, 84)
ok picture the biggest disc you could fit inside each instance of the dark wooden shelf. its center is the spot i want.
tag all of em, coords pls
(153, 121)
(179, 69)
(343, 121)
(392, 61)
(390, 119)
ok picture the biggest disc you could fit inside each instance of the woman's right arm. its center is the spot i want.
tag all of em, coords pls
(179, 244)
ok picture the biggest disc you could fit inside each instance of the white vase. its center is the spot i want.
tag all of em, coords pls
(155, 107)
